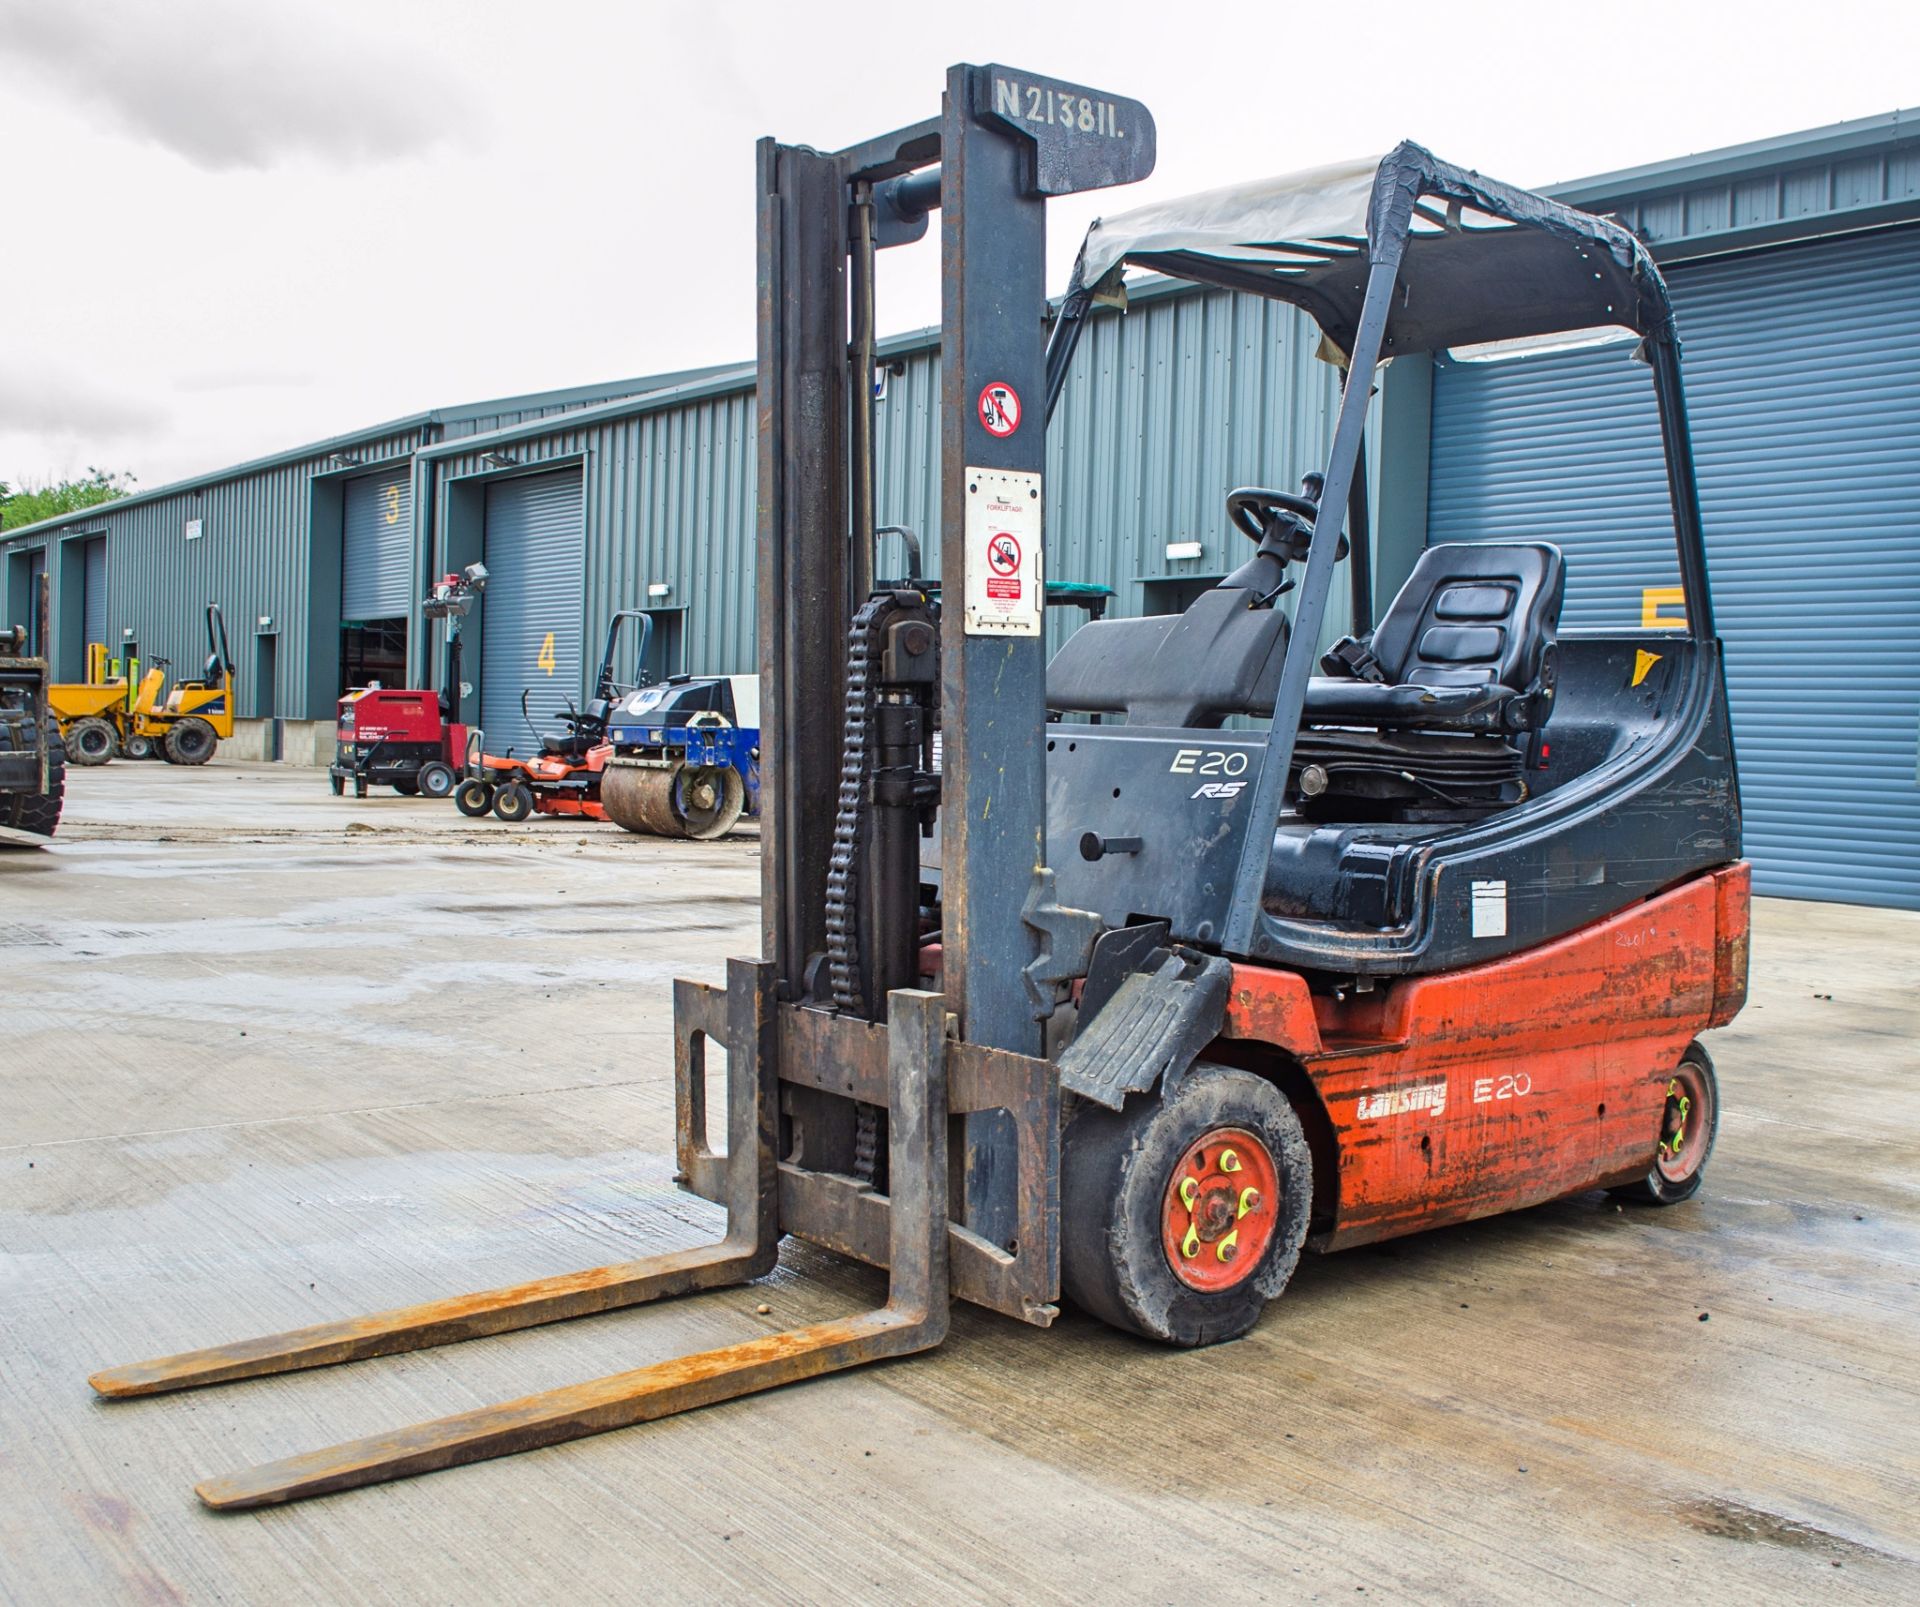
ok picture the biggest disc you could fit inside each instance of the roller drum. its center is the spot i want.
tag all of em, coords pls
(677, 800)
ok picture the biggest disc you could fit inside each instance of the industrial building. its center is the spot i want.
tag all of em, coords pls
(1795, 266)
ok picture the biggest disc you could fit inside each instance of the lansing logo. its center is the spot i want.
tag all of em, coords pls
(1403, 1101)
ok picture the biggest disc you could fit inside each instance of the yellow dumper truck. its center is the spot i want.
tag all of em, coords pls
(122, 711)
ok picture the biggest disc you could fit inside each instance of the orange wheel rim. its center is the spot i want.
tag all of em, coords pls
(1686, 1122)
(1221, 1208)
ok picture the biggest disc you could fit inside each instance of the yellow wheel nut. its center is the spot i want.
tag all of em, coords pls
(1249, 1200)
(1228, 1248)
(1190, 1245)
(1229, 1162)
(1189, 1191)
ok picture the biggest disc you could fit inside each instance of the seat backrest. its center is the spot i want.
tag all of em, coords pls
(1193, 669)
(1473, 613)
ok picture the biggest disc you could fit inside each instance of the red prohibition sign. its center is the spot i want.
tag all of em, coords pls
(1000, 409)
(1003, 554)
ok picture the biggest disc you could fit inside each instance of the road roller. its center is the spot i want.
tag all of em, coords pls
(686, 757)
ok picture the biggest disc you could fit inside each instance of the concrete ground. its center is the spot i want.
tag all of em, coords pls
(272, 1058)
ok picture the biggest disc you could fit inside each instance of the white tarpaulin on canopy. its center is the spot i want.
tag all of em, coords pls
(1317, 203)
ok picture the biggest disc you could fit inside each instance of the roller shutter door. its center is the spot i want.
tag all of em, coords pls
(1803, 379)
(531, 614)
(93, 592)
(376, 547)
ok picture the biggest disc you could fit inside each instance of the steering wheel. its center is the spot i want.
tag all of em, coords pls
(1252, 508)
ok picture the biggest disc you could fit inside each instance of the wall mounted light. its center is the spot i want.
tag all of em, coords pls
(499, 460)
(1177, 550)
(340, 460)
(660, 588)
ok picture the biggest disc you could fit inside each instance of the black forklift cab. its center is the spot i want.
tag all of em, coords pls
(1460, 779)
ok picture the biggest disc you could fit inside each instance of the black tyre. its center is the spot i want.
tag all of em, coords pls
(435, 780)
(339, 785)
(513, 802)
(473, 799)
(91, 742)
(190, 741)
(406, 786)
(137, 746)
(1689, 1123)
(1181, 1217)
(37, 812)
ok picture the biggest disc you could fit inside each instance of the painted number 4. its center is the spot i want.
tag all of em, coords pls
(546, 660)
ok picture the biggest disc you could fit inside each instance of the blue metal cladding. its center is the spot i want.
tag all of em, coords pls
(376, 546)
(532, 613)
(1166, 409)
(1803, 379)
(93, 593)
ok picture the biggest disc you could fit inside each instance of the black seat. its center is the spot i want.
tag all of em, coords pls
(1219, 658)
(1467, 645)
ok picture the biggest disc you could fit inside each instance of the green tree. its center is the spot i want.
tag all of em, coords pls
(32, 503)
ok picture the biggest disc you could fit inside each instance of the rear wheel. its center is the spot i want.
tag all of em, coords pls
(435, 779)
(190, 741)
(1689, 1123)
(38, 812)
(91, 742)
(406, 786)
(137, 747)
(473, 798)
(513, 802)
(1182, 1216)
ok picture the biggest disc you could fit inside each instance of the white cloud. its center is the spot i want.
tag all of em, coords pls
(228, 85)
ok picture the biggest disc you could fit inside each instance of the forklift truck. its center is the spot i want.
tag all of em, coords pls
(1201, 994)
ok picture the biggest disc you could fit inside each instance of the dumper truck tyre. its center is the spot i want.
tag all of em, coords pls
(435, 780)
(91, 742)
(191, 741)
(473, 798)
(1182, 1215)
(137, 746)
(1689, 1123)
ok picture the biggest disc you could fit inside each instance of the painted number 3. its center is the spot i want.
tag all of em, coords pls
(546, 660)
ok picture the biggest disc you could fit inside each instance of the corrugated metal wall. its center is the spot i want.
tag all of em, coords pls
(1803, 371)
(250, 557)
(1166, 410)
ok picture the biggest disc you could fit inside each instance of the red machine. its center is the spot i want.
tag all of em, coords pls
(403, 737)
(563, 783)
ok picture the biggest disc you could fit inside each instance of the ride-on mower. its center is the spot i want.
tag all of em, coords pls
(1201, 995)
(405, 738)
(564, 777)
(119, 710)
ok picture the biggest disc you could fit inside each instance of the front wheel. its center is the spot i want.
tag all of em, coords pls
(91, 742)
(513, 802)
(1689, 1123)
(1182, 1216)
(435, 780)
(190, 741)
(137, 746)
(473, 798)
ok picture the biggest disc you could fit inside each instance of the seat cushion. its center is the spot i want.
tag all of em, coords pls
(1219, 658)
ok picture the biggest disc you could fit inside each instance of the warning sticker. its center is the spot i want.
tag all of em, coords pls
(1000, 409)
(1003, 553)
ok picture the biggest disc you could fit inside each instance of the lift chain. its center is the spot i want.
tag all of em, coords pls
(843, 913)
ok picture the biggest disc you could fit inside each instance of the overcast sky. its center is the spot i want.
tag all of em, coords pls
(233, 226)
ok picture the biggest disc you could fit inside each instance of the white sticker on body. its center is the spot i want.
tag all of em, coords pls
(1489, 909)
(1004, 570)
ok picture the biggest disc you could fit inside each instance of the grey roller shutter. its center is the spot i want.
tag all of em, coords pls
(93, 592)
(1803, 378)
(530, 638)
(376, 547)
